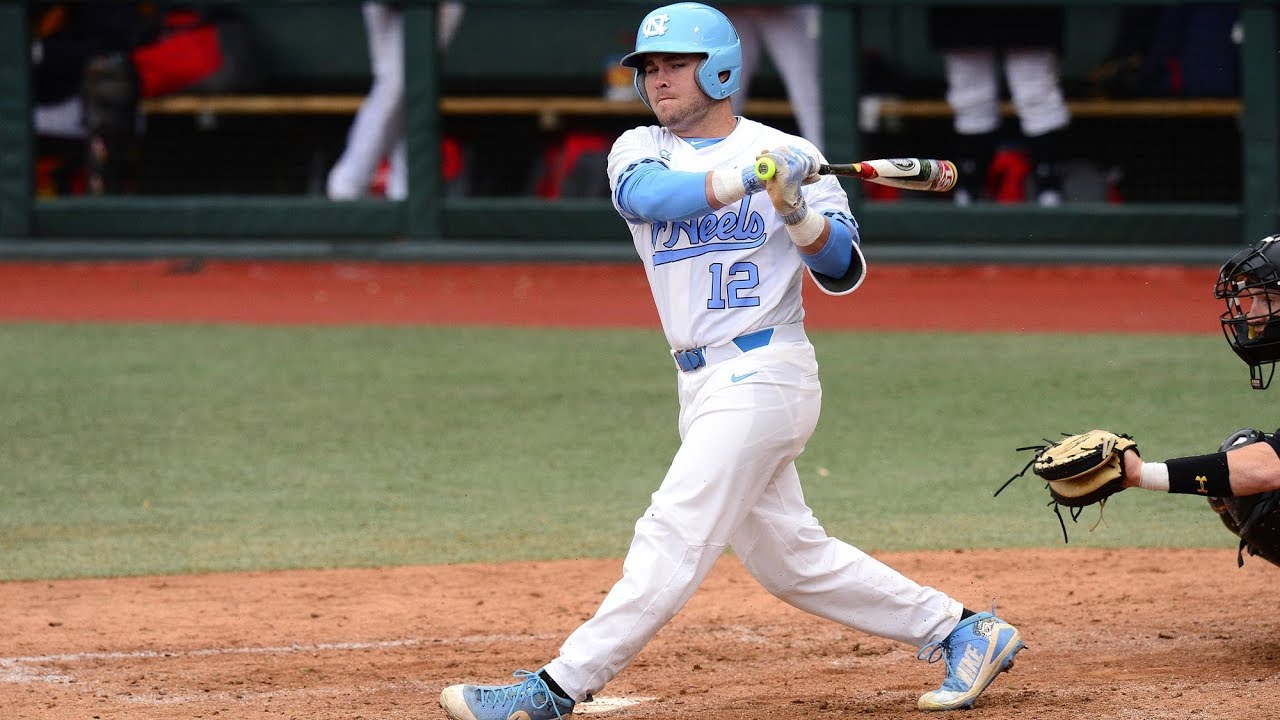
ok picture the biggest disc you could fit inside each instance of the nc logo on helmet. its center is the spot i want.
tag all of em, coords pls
(656, 25)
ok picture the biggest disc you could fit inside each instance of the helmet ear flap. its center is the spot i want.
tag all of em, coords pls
(639, 82)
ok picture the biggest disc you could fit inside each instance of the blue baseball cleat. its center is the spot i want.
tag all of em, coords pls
(977, 650)
(529, 699)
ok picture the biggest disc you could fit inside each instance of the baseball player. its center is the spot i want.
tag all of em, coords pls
(726, 255)
(1242, 479)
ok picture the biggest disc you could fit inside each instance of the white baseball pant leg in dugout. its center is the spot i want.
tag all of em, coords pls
(973, 90)
(379, 123)
(1036, 91)
(792, 37)
(973, 82)
(449, 16)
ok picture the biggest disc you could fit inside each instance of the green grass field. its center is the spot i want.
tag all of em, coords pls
(139, 449)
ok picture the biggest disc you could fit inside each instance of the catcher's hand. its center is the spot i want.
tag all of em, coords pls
(1080, 470)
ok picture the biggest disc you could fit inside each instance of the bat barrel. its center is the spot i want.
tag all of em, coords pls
(922, 174)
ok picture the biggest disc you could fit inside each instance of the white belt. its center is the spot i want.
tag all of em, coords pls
(694, 358)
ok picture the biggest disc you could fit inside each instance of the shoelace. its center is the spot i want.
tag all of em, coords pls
(941, 648)
(511, 694)
(936, 651)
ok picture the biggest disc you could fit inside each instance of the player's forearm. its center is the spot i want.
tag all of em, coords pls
(831, 253)
(1250, 470)
(1254, 469)
(658, 194)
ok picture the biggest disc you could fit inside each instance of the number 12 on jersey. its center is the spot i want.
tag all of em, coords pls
(727, 290)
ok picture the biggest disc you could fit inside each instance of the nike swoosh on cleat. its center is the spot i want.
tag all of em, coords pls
(744, 376)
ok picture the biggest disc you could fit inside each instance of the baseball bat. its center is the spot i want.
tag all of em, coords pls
(906, 173)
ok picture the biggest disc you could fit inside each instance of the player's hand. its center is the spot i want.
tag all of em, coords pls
(1132, 462)
(801, 160)
(794, 168)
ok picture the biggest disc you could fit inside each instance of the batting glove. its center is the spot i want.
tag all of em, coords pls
(795, 168)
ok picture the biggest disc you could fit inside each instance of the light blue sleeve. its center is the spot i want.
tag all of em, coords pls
(833, 259)
(650, 191)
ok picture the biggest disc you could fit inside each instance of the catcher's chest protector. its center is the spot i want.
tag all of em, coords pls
(1255, 519)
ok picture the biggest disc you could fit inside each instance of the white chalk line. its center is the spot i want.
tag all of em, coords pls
(269, 650)
(11, 669)
(602, 705)
(243, 696)
(18, 670)
(598, 706)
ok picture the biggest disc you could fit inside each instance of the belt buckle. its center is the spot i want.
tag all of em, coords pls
(690, 360)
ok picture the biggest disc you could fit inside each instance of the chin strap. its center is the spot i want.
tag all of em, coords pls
(1257, 379)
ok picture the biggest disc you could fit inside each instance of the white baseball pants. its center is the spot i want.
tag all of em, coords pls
(973, 90)
(791, 35)
(733, 482)
(378, 129)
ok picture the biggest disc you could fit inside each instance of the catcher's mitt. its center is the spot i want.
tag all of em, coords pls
(1079, 470)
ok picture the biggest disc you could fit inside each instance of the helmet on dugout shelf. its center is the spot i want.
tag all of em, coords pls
(1249, 283)
(690, 27)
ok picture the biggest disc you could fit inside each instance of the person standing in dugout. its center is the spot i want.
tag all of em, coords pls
(975, 41)
(726, 254)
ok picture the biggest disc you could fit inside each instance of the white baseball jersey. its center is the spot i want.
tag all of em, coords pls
(731, 271)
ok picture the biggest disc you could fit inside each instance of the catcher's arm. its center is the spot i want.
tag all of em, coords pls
(1253, 469)
(1248, 470)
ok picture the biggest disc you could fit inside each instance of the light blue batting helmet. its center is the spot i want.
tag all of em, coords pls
(691, 27)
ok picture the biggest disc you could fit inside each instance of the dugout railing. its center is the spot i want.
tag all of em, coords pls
(430, 225)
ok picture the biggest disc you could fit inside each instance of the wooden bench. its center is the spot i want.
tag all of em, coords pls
(1089, 108)
(551, 109)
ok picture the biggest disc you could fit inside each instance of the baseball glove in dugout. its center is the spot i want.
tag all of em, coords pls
(1079, 470)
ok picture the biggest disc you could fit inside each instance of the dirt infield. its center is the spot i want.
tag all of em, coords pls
(1111, 634)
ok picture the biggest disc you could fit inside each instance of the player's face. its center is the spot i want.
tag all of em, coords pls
(1260, 306)
(670, 81)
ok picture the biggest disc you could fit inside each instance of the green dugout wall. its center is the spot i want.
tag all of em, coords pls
(430, 225)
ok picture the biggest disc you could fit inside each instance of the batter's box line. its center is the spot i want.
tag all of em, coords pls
(599, 706)
(17, 670)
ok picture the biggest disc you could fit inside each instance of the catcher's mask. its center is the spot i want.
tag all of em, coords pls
(1249, 283)
(691, 27)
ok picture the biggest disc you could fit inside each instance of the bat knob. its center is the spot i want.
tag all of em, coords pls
(765, 168)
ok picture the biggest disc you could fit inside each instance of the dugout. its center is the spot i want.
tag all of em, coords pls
(513, 50)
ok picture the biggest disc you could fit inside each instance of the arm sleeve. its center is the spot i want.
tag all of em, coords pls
(648, 190)
(833, 259)
(856, 270)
